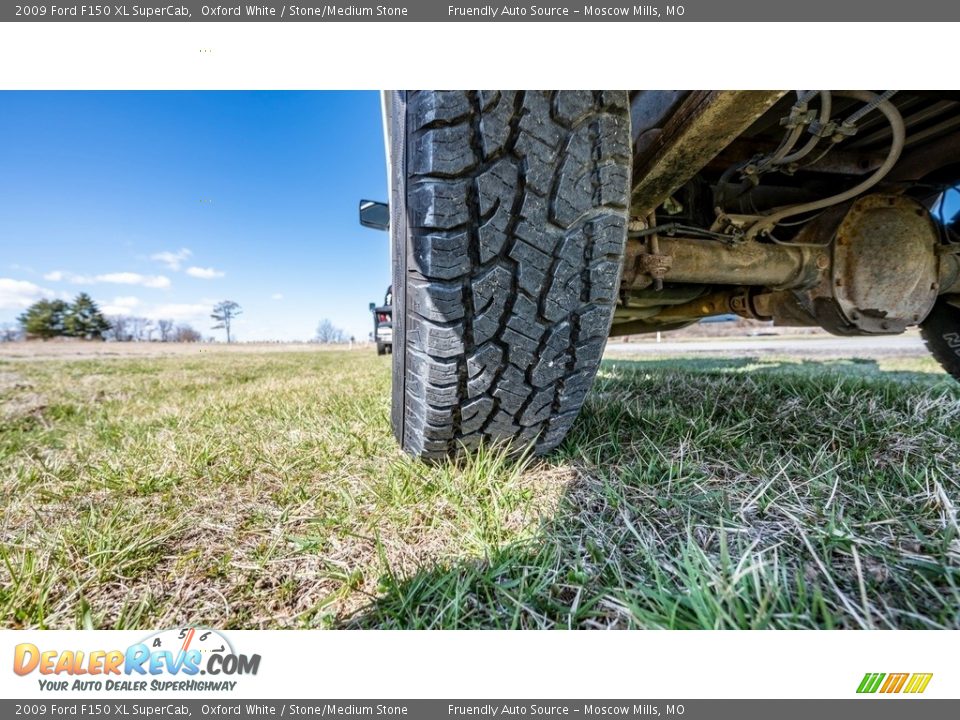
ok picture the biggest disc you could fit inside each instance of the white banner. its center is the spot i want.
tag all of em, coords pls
(492, 664)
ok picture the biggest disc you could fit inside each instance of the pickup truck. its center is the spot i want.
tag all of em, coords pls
(383, 324)
(529, 226)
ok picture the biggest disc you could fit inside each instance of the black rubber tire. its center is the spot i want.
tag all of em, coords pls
(941, 333)
(381, 349)
(508, 226)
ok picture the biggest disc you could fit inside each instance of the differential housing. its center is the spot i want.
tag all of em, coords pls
(884, 271)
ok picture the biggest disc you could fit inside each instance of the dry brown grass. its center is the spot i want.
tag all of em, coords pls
(261, 489)
(69, 349)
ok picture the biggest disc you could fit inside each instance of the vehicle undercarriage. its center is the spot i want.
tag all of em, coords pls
(805, 208)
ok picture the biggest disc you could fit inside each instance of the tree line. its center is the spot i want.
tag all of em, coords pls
(329, 333)
(82, 319)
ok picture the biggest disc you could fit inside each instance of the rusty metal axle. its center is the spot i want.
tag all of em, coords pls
(713, 262)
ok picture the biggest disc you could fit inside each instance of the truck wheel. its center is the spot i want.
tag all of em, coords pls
(941, 333)
(508, 226)
(381, 349)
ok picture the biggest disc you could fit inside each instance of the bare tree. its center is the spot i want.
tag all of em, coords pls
(140, 328)
(10, 332)
(327, 332)
(119, 329)
(186, 334)
(224, 312)
(165, 328)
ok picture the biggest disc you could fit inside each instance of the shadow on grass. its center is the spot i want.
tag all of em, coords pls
(727, 493)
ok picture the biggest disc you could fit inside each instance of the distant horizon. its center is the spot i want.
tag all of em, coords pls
(160, 204)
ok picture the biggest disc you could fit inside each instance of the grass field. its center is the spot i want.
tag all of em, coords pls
(259, 489)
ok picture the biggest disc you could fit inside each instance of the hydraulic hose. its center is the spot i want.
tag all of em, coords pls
(790, 139)
(780, 156)
(893, 116)
(826, 107)
(869, 107)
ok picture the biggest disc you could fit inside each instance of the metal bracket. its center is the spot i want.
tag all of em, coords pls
(656, 266)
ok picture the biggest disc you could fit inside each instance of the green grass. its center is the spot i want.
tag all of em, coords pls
(248, 490)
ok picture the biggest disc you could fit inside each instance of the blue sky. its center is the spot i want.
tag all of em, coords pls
(159, 204)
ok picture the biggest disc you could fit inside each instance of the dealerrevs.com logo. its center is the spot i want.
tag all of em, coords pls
(891, 683)
(168, 660)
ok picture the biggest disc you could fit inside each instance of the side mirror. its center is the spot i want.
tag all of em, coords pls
(373, 306)
(375, 215)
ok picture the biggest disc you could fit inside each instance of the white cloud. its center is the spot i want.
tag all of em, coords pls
(196, 312)
(131, 278)
(204, 273)
(277, 296)
(18, 294)
(121, 305)
(118, 278)
(172, 259)
(110, 310)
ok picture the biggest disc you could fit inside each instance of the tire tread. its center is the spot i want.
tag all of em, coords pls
(517, 215)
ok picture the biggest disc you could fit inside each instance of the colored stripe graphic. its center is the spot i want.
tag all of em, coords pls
(894, 683)
(870, 682)
(918, 682)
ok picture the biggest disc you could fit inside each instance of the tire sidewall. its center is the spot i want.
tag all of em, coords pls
(399, 242)
(941, 332)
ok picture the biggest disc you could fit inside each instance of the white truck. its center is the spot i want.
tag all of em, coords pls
(527, 227)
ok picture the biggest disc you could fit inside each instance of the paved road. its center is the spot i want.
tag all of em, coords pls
(852, 347)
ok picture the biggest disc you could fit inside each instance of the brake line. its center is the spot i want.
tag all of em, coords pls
(874, 101)
(826, 107)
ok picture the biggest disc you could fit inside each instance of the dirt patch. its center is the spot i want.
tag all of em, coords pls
(18, 399)
(20, 406)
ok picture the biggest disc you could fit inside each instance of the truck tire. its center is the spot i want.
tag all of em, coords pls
(508, 225)
(381, 349)
(941, 332)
